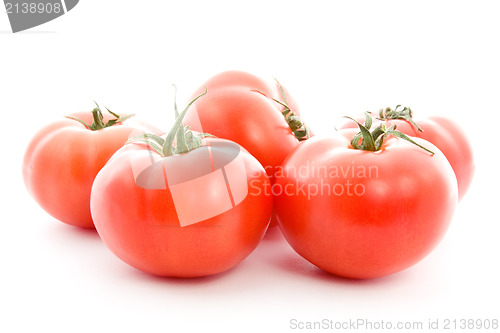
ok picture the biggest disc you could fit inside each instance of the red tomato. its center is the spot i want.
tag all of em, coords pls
(448, 136)
(364, 214)
(234, 109)
(248, 119)
(187, 215)
(63, 159)
(181, 206)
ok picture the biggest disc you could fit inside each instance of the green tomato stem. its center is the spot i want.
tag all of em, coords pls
(168, 148)
(98, 119)
(373, 141)
(186, 140)
(405, 114)
(298, 127)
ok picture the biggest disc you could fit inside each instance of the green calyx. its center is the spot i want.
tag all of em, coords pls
(373, 140)
(404, 114)
(185, 139)
(295, 123)
(98, 119)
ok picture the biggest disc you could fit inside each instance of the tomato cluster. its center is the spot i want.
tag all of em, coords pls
(371, 199)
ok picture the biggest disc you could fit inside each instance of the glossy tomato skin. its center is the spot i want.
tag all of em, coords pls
(147, 227)
(248, 119)
(451, 140)
(362, 214)
(62, 160)
(449, 137)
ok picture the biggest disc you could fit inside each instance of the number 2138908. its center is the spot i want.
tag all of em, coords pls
(469, 324)
(33, 8)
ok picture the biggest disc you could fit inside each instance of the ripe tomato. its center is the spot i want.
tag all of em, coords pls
(234, 109)
(64, 157)
(243, 108)
(364, 214)
(181, 212)
(444, 133)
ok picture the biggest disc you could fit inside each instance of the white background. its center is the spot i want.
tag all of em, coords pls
(336, 58)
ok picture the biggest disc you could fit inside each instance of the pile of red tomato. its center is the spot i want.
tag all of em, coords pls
(371, 199)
